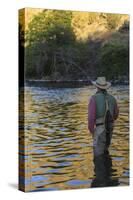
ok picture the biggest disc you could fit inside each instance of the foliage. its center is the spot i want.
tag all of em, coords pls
(112, 21)
(114, 61)
(47, 32)
(73, 45)
(124, 27)
(21, 35)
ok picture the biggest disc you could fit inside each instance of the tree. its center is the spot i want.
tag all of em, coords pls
(115, 61)
(47, 33)
(73, 45)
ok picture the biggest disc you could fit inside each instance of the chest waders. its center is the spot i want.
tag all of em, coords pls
(103, 131)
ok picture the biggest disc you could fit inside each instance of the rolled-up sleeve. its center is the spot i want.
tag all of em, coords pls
(91, 115)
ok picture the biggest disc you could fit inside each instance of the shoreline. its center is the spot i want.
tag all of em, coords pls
(67, 83)
(125, 82)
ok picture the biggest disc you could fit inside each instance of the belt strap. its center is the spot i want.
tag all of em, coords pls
(99, 124)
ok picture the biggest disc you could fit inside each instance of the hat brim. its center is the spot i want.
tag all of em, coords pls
(108, 84)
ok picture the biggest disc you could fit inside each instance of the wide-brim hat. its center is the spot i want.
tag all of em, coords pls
(101, 83)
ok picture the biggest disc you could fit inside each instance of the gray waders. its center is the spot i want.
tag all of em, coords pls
(102, 135)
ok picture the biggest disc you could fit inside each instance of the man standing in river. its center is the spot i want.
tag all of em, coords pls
(102, 112)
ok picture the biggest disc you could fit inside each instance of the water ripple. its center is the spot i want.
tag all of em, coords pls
(58, 149)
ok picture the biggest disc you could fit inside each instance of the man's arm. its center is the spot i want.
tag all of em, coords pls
(91, 115)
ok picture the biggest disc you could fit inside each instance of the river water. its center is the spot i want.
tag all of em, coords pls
(58, 145)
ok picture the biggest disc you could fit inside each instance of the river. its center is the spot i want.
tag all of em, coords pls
(58, 145)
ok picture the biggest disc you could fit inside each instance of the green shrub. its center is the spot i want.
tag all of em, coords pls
(114, 61)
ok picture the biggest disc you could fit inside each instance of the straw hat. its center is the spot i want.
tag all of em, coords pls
(101, 83)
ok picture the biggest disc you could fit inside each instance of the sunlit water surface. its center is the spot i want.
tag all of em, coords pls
(58, 151)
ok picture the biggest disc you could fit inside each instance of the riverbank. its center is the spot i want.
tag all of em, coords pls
(72, 83)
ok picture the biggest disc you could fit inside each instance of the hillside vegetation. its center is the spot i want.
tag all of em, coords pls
(66, 45)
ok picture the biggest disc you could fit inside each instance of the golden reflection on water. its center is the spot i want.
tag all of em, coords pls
(58, 145)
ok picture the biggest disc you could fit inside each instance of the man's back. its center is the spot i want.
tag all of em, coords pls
(97, 108)
(100, 100)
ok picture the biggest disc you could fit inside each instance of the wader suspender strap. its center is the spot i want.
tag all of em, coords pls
(106, 108)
